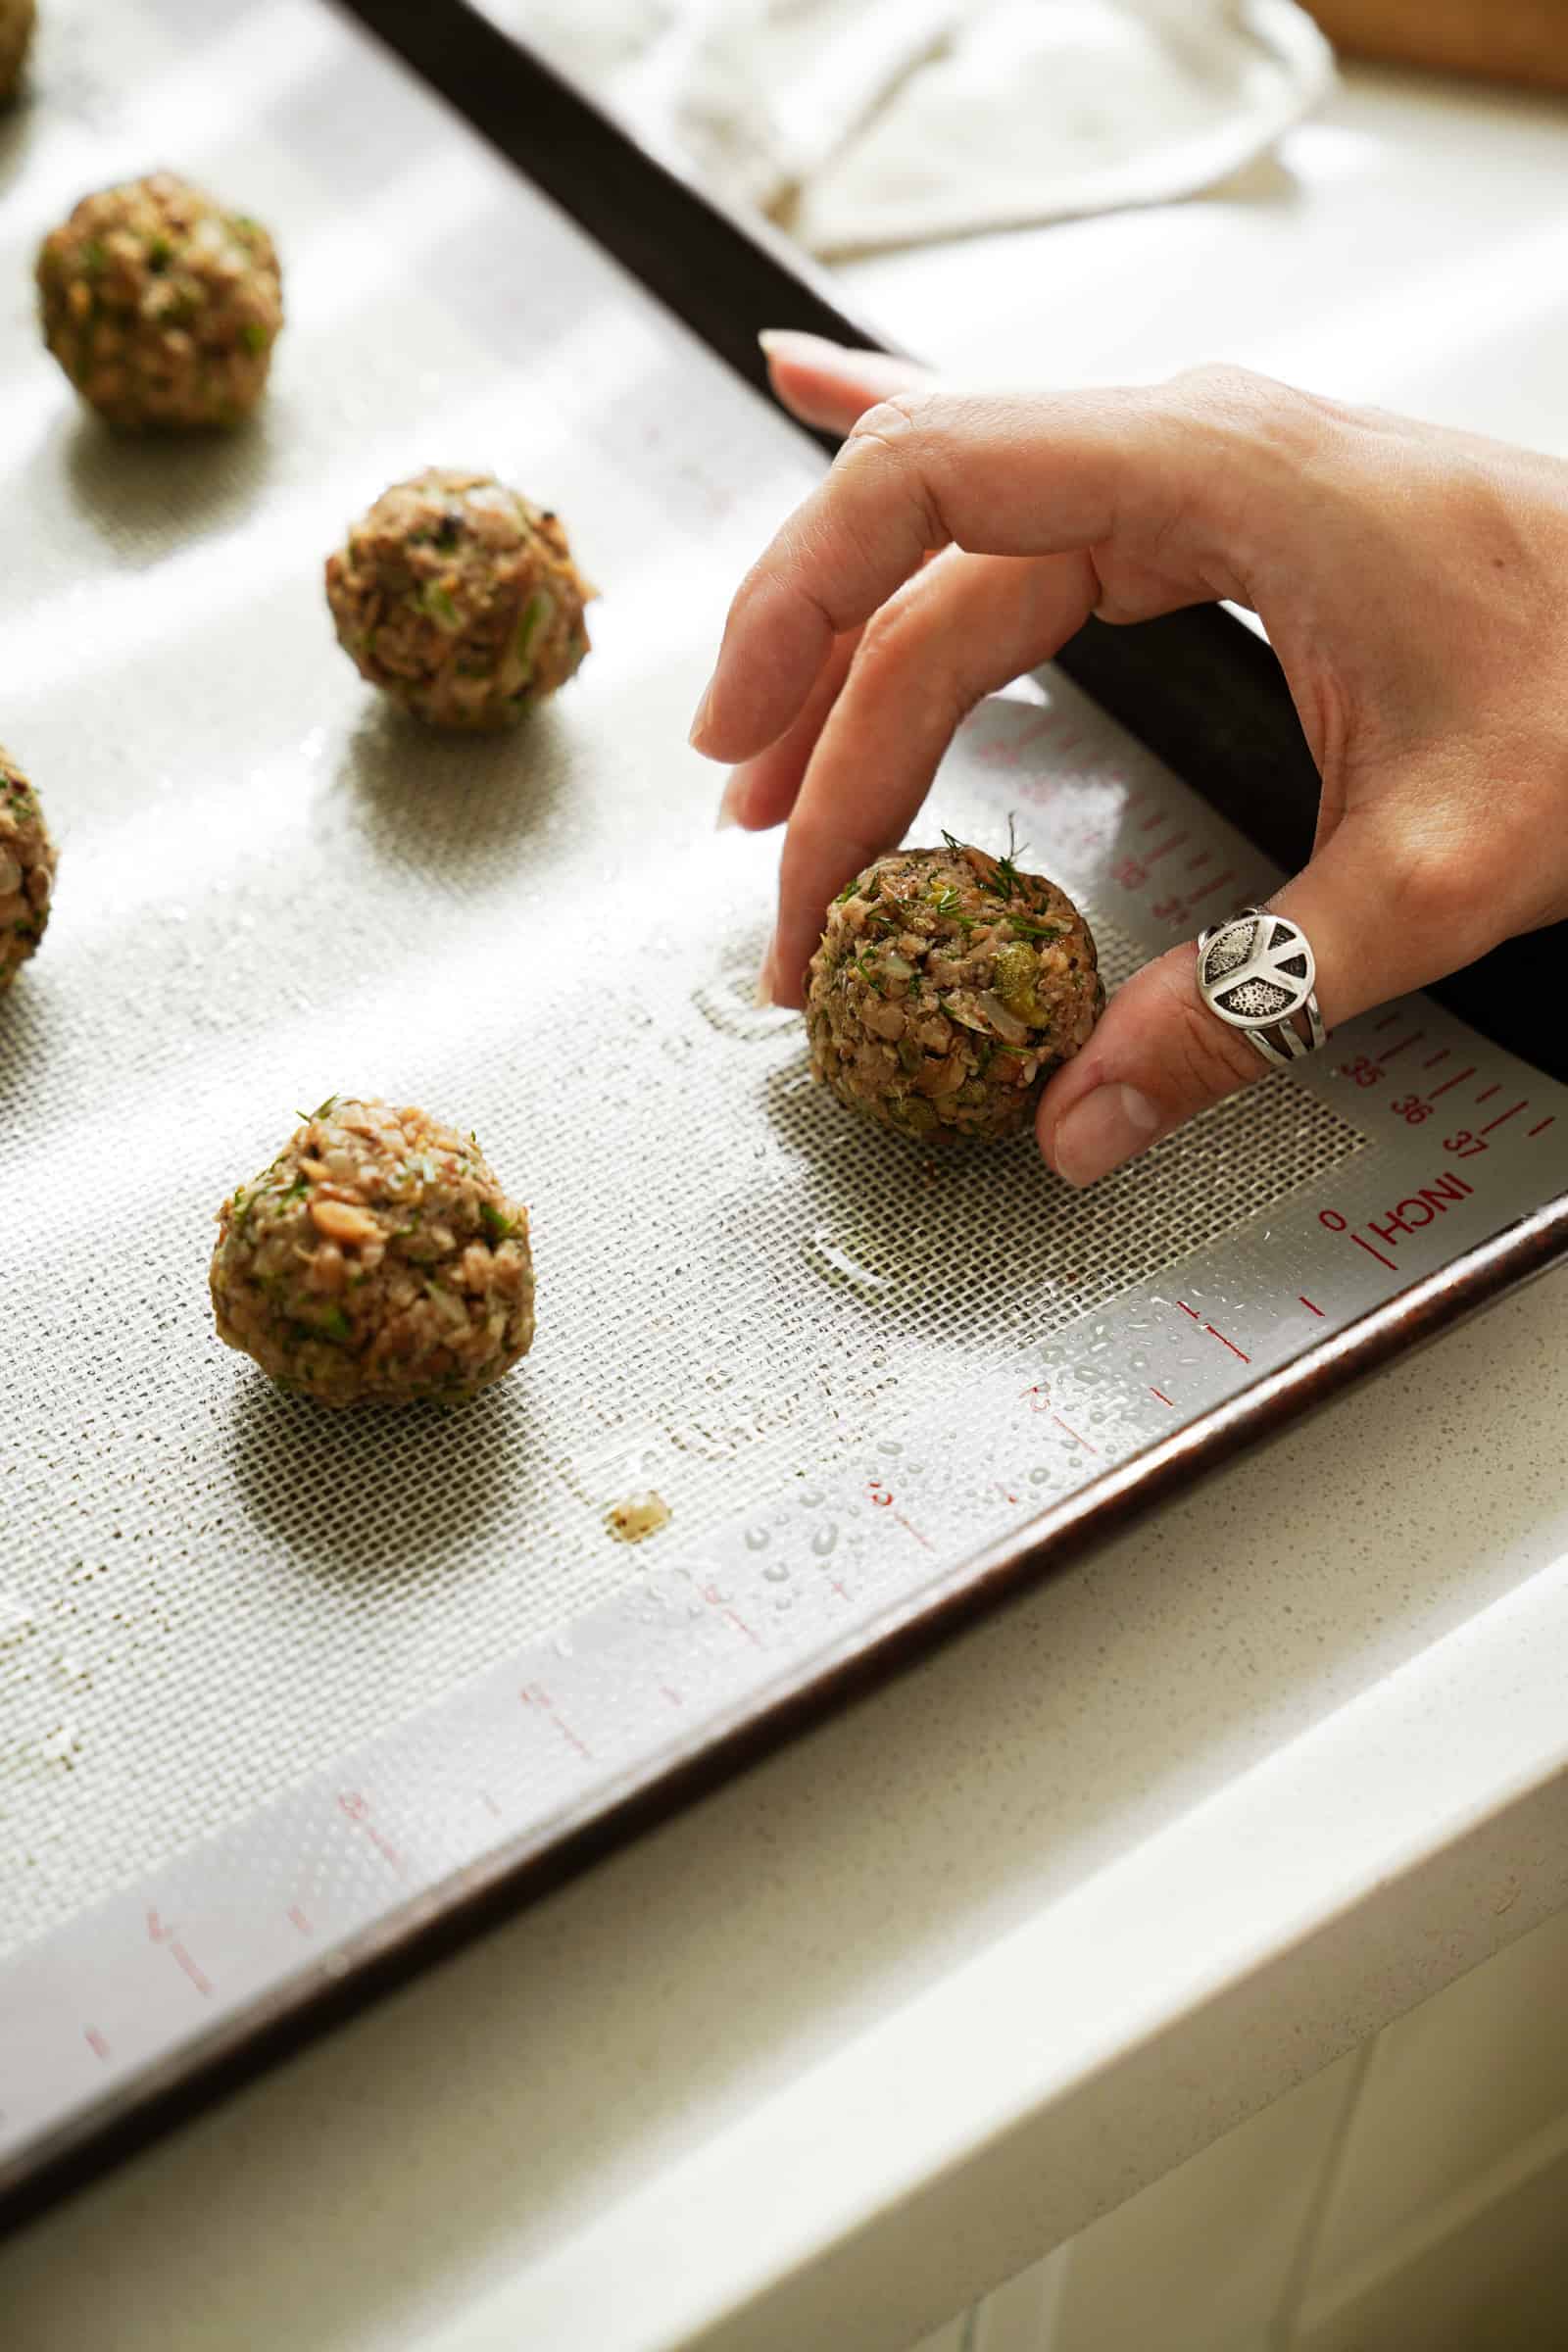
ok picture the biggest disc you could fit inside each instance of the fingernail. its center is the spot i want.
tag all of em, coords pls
(732, 803)
(699, 722)
(1111, 1125)
(764, 993)
(789, 343)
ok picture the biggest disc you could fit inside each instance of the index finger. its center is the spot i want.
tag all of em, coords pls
(1150, 474)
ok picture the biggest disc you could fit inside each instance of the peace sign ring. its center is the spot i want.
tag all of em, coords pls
(1256, 972)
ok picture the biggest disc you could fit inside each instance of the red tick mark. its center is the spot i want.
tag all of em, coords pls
(1387, 1022)
(1166, 848)
(1307, 1303)
(715, 1601)
(96, 2042)
(1377, 1254)
(1433, 1059)
(1415, 1039)
(534, 1695)
(159, 1934)
(353, 1806)
(1540, 1123)
(1203, 859)
(297, 1919)
(1486, 1093)
(1074, 1434)
(1212, 1333)
(1502, 1116)
(1160, 1394)
(1457, 1079)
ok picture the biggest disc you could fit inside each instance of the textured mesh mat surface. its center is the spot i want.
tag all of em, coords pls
(271, 888)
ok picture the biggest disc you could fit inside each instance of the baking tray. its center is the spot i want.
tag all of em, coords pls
(291, 1701)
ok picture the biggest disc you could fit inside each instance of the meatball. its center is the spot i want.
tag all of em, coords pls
(160, 306)
(946, 988)
(377, 1256)
(16, 35)
(26, 869)
(459, 599)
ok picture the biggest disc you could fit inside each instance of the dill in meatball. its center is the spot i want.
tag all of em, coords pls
(16, 36)
(377, 1256)
(161, 305)
(459, 599)
(26, 869)
(946, 988)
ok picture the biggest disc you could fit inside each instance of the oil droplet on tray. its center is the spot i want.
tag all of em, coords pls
(852, 1262)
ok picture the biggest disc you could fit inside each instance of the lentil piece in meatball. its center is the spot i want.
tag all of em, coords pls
(160, 306)
(16, 36)
(26, 869)
(377, 1256)
(946, 988)
(460, 599)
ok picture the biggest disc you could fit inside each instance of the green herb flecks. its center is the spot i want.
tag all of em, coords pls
(537, 614)
(437, 601)
(1026, 928)
(254, 335)
(1007, 868)
(496, 1226)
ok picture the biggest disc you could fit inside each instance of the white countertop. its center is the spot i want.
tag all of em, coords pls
(830, 2055)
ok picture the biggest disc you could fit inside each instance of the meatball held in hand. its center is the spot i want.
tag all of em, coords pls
(946, 988)
(460, 600)
(160, 306)
(26, 869)
(377, 1258)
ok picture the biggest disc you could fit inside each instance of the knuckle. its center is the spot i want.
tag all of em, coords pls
(1209, 1059)
(887, 420)
(1447, 894)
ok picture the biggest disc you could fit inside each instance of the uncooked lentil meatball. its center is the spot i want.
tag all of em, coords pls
(459, 599)
(26, 869)
(161, 305)
(377, 1256)
(946, 988)
(16, 34)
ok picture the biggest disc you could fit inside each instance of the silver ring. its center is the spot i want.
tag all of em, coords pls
(1256, 972)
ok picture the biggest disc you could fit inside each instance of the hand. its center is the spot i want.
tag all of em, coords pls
(1413, 583)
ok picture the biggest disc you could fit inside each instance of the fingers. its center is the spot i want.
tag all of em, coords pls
(1160, 1056)
(1155, 481)
(968, 626)
(761, 792)
(825, 385)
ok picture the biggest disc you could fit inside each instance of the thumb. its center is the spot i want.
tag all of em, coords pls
(825, 384)
(1160, 1056)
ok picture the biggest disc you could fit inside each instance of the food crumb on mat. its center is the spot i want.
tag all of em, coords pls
(638, 1516)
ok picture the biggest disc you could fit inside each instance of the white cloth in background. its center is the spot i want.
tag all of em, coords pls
(873, 122)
